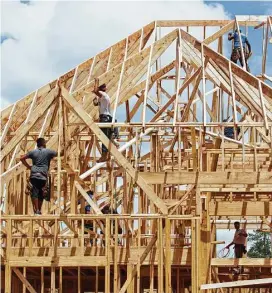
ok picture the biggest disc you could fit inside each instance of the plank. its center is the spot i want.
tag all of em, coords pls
(61, 261)
(147, 84)
(219, 33)
(245, 262)
(209, 178)
(240, 208)
(177, 23)
(236, 284)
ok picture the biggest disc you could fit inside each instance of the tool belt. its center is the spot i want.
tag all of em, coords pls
(237, 54)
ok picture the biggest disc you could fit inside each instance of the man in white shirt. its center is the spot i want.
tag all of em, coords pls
(239, 241)
(104, 116)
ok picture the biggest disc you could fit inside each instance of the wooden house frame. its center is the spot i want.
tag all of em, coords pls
(175, 179)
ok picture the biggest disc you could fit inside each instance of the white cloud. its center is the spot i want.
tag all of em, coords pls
(53, 37)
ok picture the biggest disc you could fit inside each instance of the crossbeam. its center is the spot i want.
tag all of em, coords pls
(236, 284)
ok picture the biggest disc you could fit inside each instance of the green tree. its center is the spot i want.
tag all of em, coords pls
(260, 245)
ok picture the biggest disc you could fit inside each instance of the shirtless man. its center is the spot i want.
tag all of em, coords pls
(239, 242)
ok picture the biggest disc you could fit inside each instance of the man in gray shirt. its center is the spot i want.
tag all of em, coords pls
(41, 158)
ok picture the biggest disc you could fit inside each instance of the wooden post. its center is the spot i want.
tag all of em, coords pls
(24, 274)
(168, 285)
(78, 280)
(42, 280)
(8, 274)
(53, 279)
(107, 266)
(241, 44)
(194, 256)
(160, 257)
(60, 280)
(115, 278)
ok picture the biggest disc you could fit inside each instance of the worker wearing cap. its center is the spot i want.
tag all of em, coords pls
(237, 52)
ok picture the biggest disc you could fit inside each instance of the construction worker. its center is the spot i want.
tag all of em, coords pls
(106, 210)
(237, 52)
(38, 182)
(229, 131)
(104, 116)
(239, 242)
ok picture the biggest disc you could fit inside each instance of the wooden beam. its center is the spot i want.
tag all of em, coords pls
(24, 280)
(245, 262)
(209, 178)
(236, 284)
(65, 261)
(207, 23)
(219, 33)
(240, 208)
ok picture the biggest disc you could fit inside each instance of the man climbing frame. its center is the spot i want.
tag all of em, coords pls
(38, 182)
(239, 242)
(104, 116)
(230, 131)
(237, 52)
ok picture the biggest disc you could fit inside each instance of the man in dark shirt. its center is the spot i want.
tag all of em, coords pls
(229, 131)
(41, 158)
(108, 210)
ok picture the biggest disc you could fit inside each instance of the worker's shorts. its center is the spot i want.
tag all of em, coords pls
(37, 189)
(237, 54)
(239, 250)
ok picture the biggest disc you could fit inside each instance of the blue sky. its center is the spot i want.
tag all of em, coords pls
(245, 7)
